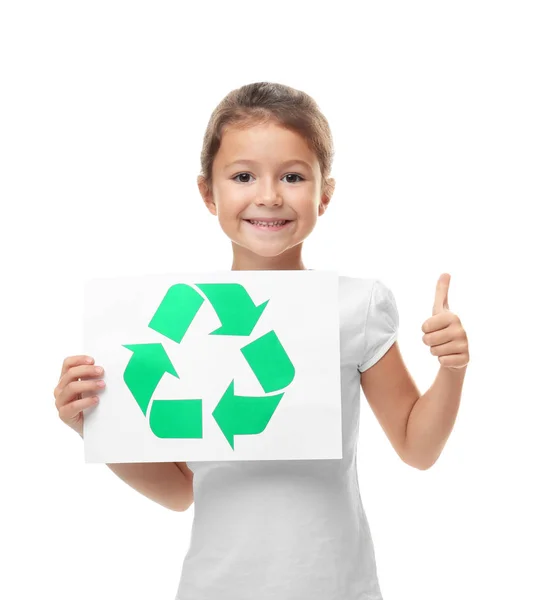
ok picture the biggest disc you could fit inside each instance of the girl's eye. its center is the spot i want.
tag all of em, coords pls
(288, 175)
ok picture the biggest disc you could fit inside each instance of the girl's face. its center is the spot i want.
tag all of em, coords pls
(265, 172)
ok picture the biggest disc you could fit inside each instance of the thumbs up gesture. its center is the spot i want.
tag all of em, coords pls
(443, 332)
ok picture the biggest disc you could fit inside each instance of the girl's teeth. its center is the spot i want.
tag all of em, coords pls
(274, 224)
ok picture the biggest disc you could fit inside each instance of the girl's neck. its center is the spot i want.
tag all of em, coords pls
(245, 260)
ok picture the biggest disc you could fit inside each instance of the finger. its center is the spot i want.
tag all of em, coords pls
(442, 336)
(438, 321)
(450, 348)
(441, 294)
(73, 361)
(72, 409)
(455, 361)
(77, 372)
(74, 388)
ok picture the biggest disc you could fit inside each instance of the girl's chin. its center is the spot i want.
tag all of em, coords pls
(263, 249)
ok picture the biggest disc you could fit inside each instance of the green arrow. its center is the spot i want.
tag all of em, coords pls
(235, 415)
(145, 368)
(244, 415)
(269, 362)
(234, 307)
(176, 418)
(176, 311)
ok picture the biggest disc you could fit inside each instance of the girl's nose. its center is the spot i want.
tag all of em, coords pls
(269, 197)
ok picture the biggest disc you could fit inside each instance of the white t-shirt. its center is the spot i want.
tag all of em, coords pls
(295, 529)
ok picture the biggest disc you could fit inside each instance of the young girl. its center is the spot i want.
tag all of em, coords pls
(292, 530)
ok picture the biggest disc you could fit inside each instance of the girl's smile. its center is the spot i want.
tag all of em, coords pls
(269, 225)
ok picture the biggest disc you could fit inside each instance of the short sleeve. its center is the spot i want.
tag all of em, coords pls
(381, 326)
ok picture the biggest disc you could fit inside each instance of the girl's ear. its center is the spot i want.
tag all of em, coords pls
(326, 196)
(206, 194)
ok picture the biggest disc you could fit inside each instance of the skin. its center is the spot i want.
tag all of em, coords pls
(265, 188)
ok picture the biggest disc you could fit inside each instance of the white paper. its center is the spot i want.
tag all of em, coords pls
(298, 328)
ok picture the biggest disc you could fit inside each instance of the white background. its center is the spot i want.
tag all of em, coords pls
(103, 109)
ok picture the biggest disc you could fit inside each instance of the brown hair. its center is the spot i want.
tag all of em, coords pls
(259, 103)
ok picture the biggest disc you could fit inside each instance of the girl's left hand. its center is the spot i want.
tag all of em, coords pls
(444, 333)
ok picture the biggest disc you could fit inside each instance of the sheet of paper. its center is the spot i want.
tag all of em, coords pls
(233, 365)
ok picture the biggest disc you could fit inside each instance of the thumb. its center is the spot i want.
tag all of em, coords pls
(441, 294)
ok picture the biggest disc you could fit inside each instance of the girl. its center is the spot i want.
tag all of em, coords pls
(293, 530)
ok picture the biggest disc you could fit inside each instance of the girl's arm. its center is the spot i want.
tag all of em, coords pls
(170, 484)
(164, 483)
(391, 393)
(432, 418)
(418, 426)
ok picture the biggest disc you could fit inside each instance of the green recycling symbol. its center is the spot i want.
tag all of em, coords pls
(235, 415)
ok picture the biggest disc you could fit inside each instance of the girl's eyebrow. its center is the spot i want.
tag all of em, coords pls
(287, 162)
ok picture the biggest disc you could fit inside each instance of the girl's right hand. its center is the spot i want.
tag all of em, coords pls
(74, 380)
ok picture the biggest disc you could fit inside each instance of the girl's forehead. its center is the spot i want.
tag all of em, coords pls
(257, 130)
(259, 140)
